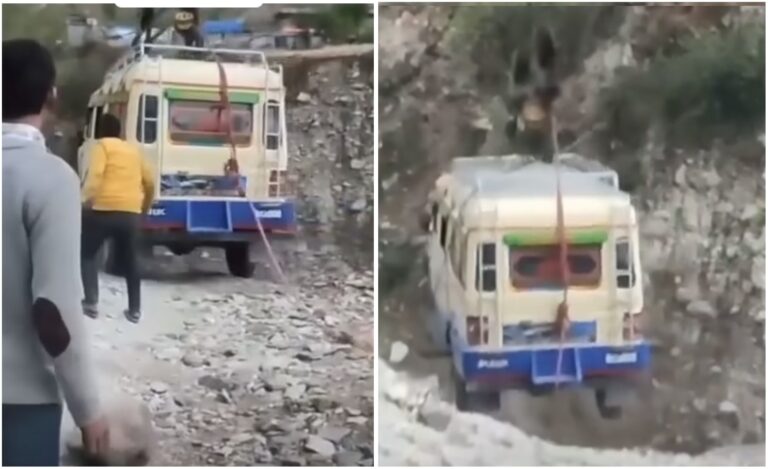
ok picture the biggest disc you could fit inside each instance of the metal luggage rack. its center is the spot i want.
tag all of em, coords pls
(137, 53)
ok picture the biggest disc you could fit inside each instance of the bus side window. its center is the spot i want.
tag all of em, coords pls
(118, 110)
(443, 230)
(99, 110)
(451, 251)
(625, 278)
(88, 131)
(456, 253)
(485, 276)
(146, 119)
(272, 124)
(433, 221)
(463, 260)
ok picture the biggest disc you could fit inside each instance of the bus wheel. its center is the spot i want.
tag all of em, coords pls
(180, 249)
(474, 401)
(606, 410)
(239, 260)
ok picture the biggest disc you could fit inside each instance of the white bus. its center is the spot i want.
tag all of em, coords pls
(494, 269)
(169, 101)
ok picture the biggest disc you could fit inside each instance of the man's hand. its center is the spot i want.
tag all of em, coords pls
(96, 438)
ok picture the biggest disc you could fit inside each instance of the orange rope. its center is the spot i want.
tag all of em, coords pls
(562, 320)
(232, 168)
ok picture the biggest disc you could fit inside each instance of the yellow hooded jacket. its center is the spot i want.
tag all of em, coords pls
(119, 179)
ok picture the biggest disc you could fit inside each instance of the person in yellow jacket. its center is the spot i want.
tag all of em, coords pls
(118, 191)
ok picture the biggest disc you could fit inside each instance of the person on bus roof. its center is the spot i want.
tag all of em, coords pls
(119, 189)
(46, 352)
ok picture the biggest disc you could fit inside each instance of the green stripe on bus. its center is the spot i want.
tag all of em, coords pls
(550, 237)
(195, 95)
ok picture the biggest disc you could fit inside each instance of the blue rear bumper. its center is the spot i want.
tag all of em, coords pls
(537, 367)
(221, 217)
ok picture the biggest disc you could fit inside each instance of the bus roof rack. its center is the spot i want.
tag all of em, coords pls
(138, 52)
(472, 167)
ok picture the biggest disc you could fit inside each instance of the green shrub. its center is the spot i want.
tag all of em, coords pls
(713, 88)
(79, 75)
(343, 22)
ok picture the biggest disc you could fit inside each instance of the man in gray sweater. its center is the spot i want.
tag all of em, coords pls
(45, 344)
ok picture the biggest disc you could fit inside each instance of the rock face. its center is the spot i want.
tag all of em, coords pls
(703, 250)
(331, 152)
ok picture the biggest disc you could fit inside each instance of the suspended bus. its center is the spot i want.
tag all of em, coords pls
(495, 275)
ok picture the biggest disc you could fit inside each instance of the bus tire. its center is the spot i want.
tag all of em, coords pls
(474, 401)
(238, 257)
(606, 411)
(180, 249)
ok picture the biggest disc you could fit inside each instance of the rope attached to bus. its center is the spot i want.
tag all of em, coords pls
(232, 168)
(562, 320)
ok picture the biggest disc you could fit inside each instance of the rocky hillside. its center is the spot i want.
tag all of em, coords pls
(330, 127)
(700, 192)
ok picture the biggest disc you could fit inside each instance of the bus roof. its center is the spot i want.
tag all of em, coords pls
(188, 72)
(496, 192)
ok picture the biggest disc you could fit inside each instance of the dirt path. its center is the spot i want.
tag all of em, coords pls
(247, 372)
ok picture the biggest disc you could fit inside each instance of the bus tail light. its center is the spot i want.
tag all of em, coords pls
(633, 326)
(278, 183)
(473, 330)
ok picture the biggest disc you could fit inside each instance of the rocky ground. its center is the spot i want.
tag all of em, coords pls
(247, 372)
(702, 218)
(423, 430)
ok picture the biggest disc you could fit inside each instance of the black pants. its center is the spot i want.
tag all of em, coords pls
(122, 228)
(31, 434)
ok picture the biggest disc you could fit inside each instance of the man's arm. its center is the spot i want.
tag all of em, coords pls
(95, 176)
(53, 216)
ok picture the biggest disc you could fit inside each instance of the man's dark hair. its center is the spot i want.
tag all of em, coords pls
(28, 78)
(108, 126)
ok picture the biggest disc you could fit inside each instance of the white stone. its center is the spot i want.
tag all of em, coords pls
(686, 294)
(758, 272)
(296, 392)
(700, 307)
(728, 407)
(680, 175)
(193, 359)
(655, 226)
(320, 446)
(690, 210)
(159, 387)
(304, 97)
(398, 352)
(749, 212)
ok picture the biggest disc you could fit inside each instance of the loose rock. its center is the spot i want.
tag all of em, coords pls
(320, 446)
(398, 352)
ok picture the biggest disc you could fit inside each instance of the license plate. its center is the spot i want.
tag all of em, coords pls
(492, 364)
(616, 358)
